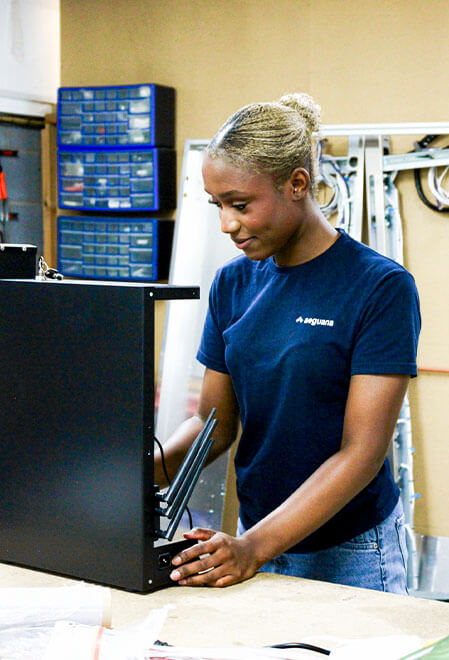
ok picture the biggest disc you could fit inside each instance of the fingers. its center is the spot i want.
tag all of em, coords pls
(209, 570)
(197, 559)
(194, 551)
(200, 533)
(218, 560)
(201, 565)
(208, 580)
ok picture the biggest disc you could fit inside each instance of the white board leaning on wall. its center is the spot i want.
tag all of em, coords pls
(30, 56)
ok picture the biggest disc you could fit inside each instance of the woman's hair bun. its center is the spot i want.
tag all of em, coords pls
(271, 138)
(306, 107)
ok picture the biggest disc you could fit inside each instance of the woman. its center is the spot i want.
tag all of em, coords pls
(310, 340)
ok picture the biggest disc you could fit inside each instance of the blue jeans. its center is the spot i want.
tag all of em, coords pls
(375, 559)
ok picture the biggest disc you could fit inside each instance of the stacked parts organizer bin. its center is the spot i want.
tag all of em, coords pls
(116, 156)
(122, 248)
(117, 180)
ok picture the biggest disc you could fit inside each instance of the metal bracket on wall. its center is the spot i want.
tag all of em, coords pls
(385, 236)
(415, 160)
(375, 199)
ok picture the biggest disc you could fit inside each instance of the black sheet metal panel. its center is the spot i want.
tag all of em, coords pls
(77, 425)
(17, 261)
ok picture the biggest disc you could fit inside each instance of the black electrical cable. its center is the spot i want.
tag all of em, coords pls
(287, 645)
(423, 198)
(164, 468)
(301, 645)
(423, 144)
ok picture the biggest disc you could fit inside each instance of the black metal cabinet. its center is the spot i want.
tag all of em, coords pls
(77, 428)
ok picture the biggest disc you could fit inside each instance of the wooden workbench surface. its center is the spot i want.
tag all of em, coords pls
(267, 609)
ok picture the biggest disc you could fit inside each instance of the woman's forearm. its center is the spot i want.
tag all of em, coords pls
(316, 501)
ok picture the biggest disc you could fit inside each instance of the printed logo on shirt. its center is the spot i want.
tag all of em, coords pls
(314, 321)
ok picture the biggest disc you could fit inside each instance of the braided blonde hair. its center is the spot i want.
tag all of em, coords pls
(271, 138)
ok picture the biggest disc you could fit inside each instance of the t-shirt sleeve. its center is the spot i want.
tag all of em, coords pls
(211, 352)
(387, 337)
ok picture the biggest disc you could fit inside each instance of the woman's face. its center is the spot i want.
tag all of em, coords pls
(261, 220)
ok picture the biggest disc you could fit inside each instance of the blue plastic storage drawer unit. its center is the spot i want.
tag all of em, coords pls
(123, 116)
(117, 180)
(114, 249)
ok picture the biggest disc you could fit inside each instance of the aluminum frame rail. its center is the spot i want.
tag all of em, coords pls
(368, 164)
(404, 128)
(385, 236)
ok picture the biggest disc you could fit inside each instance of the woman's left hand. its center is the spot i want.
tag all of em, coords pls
(217, 560)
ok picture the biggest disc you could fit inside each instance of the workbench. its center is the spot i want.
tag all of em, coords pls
(265, 610)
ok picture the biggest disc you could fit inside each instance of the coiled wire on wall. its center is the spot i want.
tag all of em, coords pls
(434, 181)
(332, 176)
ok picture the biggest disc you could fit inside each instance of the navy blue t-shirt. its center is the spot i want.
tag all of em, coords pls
(291, 338)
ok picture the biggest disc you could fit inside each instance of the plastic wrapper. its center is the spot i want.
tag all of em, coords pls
(390, 647)
(80, 642)
(28, 616)
(44, 606)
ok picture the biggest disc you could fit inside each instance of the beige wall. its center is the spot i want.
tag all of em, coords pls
(363, 61)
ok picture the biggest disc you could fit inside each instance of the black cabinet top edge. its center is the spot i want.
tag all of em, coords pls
(156, 291)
